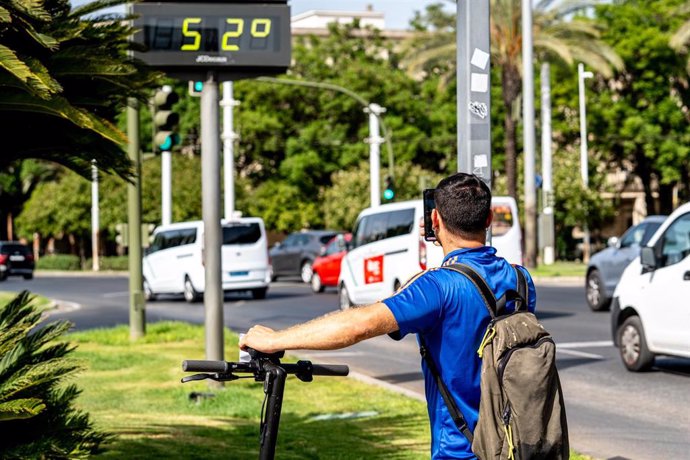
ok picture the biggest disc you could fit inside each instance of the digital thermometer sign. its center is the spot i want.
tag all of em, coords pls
(246, 39)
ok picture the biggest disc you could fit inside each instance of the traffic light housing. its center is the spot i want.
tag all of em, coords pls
(389, 189)
(195, 88)
(165, 119)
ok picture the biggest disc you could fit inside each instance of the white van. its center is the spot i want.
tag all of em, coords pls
(174, 262)
(506, 235)
(387, 250)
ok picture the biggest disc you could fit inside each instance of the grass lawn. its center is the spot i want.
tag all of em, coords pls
(560, 269)
(133, 390)
(39, 300)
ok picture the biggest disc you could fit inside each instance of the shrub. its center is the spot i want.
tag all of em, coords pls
(37, 414)
(59, 262)
(117, 263)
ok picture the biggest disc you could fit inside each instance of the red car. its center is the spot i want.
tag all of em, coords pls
(327, 266)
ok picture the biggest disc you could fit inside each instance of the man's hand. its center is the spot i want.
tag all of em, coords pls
(260, 338)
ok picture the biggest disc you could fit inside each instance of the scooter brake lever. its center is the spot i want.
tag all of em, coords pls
(191, 378)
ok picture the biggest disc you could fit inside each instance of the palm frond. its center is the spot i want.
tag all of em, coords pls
(18, 409)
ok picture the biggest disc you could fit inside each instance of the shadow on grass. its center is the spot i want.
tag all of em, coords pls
(300, 437)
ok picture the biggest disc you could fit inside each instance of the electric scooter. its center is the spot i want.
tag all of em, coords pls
(267, 368)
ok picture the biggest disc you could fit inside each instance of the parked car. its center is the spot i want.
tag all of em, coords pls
(16, 259)
(174, 263)
(649, 311)
(327, 266)
(295, 255)
(606, 267)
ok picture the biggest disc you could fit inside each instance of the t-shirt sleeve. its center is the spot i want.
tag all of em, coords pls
(531, 290)
(417, 306)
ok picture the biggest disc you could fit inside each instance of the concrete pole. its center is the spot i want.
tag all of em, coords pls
(229, 136)
(95, 218)
(528, 137)
(375, 140)
(474, 89)
(210, 193)
(137, 303)
(548, 236)
(584, 158)
(166, 187)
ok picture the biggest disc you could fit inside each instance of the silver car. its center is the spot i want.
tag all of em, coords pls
(606, 267)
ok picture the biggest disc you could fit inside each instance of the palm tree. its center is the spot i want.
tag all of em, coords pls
(63, 88)
(556, 38)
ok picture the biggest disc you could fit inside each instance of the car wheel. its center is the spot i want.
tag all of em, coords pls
(345, 302)
(316, 284)
(306, 271)
(633, 346)
(148, 292)
(30, 276)
(594, 291)
(190, 294)
(259, 293)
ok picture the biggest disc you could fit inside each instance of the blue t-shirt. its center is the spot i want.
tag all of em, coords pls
(448, 311)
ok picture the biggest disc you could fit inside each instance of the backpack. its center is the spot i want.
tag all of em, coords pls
(521, 410)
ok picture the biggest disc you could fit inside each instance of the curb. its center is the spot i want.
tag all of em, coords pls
(388, 386)
(559, 280)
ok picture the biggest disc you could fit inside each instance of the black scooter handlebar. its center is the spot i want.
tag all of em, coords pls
(193, 365)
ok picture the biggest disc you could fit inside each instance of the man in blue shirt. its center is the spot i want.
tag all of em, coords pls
(440, 305)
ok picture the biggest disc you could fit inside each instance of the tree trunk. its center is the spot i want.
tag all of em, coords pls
(644, 172)
(511, 90)
(666, 198)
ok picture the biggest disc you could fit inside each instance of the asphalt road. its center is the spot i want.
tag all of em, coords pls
(612, 413)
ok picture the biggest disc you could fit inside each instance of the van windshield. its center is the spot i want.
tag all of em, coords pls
(503, 219)
(241, 233)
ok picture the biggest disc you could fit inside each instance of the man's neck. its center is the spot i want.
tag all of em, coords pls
(456, 243)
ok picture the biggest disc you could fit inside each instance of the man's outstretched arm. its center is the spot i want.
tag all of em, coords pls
(329, 332)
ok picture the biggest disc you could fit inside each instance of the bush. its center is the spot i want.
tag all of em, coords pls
(59, 262)
(117, 263)
(37, 414)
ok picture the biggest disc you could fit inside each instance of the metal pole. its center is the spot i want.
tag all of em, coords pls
(95, 217)
(166, 187)
(210, 192)
(546, 168)
(375, 140)
(473, 88)
(528, 137)
(137, 304)
(584, 159)
(228, 103)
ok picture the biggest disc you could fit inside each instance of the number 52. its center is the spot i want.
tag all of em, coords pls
(260, 28)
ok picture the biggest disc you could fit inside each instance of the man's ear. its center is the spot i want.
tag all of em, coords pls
(435, 218)
(489, 219)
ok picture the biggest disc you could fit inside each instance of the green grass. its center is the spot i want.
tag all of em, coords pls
(38, 300)
(133, 390)
(560, 269)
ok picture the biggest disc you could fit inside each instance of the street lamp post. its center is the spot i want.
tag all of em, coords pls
(584, 164)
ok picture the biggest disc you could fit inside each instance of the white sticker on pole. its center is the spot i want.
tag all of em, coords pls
(480, 59)
(481, 161)
(479, 83)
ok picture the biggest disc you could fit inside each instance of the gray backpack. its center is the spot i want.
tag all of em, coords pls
(521, 410)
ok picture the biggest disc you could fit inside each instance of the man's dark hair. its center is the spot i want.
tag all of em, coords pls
(464, 202)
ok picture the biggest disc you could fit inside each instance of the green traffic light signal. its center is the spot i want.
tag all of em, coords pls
(389, 190)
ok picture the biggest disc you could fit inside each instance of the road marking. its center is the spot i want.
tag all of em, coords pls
(594, 344)
(109, 295)
(579, 354)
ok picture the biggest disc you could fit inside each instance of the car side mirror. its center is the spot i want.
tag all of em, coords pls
(648, 259)
(322, 252)
(612, 242)
(277, 245)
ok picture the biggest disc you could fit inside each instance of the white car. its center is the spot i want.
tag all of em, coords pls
(386, 249)
(650, 311)
(174, 262)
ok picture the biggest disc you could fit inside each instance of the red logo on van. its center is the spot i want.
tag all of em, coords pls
(373, 270)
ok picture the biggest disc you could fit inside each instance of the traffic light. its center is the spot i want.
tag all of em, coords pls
(165, 120)
(195, 88)
(389, 189)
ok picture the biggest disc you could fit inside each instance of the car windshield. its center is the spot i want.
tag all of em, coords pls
(326, 238)
(652, 227)
(13, 249)
(241, 233)
(503, 220)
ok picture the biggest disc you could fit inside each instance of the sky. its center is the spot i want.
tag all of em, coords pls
(397, 12)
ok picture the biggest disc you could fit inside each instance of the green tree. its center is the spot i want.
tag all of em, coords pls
(557, 37)
(640, 118)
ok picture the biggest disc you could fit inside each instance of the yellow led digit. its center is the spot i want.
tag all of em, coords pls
(233, 34)
(256, 23)
(191, 34)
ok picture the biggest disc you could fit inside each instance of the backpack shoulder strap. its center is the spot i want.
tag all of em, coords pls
(483, 288)
(523, 289)
(453, 409)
